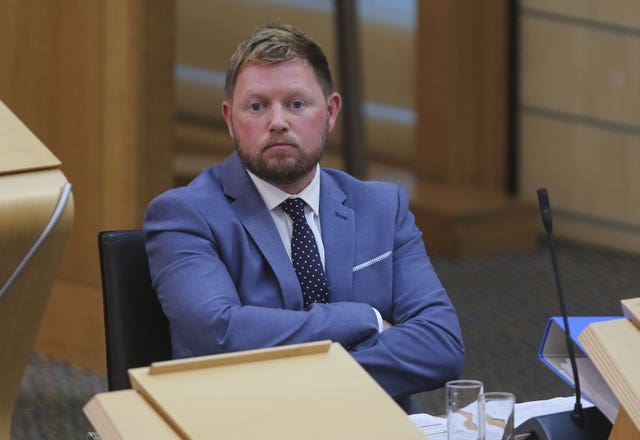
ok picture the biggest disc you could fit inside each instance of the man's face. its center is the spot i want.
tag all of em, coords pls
(279, 119)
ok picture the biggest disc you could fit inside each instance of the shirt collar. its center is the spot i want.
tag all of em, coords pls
(273, 196)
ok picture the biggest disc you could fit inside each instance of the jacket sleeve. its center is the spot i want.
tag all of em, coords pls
(199, 292)
(424, 347)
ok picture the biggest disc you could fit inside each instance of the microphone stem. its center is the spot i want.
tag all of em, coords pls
(577, 415)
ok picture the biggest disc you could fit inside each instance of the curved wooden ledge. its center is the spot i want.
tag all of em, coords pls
(27, 202)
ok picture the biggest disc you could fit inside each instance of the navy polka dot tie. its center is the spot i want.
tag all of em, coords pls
(305, 256)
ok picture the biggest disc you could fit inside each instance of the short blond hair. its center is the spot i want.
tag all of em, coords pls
(275, 43)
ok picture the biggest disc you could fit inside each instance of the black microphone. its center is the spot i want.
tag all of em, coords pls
(545, 213)
(547, 219)
(579, 423)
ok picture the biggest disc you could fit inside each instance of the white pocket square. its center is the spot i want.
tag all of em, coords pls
(372, 261)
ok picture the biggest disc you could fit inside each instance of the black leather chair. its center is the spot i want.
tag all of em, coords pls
(136, 329)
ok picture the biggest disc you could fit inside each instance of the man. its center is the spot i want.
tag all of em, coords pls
(225, 254)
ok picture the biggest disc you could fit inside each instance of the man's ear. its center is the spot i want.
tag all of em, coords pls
(334, 104)
(226, 112)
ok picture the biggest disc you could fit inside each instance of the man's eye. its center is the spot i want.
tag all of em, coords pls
(255, 106)
(297, 104)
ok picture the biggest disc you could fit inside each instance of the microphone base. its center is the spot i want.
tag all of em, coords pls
(560, 426)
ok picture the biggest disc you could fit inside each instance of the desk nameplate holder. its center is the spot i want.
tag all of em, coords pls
(314, 390)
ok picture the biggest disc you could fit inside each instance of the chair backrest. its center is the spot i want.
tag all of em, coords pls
(136, 329)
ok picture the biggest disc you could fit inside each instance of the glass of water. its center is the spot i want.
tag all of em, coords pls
(464, 412)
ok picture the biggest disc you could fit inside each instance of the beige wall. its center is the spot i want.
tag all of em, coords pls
(580, 116)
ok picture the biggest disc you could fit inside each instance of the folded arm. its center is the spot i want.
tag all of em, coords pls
(217, 305)
(422, 348)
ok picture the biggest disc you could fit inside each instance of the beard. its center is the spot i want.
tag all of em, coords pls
(281, 167)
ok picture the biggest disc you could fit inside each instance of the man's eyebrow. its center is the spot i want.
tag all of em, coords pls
(253, 93)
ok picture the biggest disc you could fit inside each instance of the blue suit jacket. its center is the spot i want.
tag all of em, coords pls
(226, 283)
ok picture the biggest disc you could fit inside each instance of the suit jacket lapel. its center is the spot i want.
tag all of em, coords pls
(255, 217)
(338, 235)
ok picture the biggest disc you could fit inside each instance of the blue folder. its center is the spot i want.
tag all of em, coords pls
(554, 354)
(554, 347)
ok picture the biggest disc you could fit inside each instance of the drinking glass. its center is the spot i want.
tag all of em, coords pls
(497, 410)
(464, 415)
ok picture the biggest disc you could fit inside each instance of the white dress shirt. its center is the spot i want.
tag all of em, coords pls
(273, 196)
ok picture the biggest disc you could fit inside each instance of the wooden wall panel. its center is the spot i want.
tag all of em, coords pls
(94, 81)
(139, 107)
(462, 158)
(54, 64)
(208, 32)
(580, 116)
(620, 12)
(462, 93)
(388, 62)
(610, 235)
(588, 72)
(589, 171)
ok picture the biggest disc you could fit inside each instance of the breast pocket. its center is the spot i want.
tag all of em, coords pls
(373, 282)
(372, 261)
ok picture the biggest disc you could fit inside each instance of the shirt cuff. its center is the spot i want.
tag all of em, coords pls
(379, 318)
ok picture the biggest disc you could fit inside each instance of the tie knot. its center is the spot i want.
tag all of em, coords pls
(294, 208)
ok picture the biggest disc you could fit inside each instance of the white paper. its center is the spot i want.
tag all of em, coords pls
(436, 427)
(526, 410)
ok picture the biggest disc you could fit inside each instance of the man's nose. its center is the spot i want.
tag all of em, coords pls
(278, 121)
